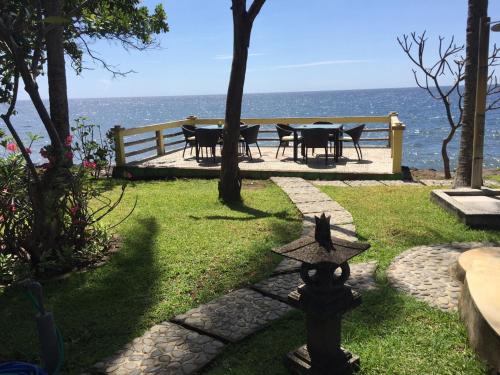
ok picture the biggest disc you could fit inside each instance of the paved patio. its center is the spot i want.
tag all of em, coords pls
(376, 162)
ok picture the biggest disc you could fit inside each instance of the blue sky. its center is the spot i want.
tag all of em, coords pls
(296, 45)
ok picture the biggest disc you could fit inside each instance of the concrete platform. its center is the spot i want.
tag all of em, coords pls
(376, 164)
(479, 208)
(479, 305)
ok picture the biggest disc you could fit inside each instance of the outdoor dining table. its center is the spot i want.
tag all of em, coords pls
(335, 131)
(220, 128)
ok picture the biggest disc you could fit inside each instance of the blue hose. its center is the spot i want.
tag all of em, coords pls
(20, 368)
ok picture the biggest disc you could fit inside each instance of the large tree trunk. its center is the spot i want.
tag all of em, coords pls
(477, 9)
(230, 179)
(56, 70)
(46, 197)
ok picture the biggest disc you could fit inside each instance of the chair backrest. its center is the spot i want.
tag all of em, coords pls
(188, 131)
(283, 130)
(207, 137)
(315, 138)
(355, 133)
(250, 133)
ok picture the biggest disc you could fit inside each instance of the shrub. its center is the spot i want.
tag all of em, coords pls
(79, 240)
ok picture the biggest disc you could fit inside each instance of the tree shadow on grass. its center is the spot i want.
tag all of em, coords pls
(253, 213)
(98, 311)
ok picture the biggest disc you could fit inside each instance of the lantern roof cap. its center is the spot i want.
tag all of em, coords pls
(318, 246)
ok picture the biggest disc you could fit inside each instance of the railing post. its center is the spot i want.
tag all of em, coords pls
(397, 129)
(391, 114)
(119, 146)
(191, 120)
(160, 145)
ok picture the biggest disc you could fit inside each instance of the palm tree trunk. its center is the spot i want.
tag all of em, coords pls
(477, 9)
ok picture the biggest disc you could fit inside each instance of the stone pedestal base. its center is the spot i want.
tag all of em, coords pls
(298, 362)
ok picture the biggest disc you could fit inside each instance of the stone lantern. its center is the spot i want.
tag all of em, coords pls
(324, 298)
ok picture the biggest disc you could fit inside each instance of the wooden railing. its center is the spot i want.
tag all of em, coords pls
(166, 143)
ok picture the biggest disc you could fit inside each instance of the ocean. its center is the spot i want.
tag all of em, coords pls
(423, 116)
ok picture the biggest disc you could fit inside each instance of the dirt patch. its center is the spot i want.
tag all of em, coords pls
(114, 247)
(255, 184)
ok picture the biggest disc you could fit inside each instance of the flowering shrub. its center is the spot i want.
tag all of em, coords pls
(93, 150)
(79, 239)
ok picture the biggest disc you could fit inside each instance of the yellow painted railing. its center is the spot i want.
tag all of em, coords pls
(392, 126)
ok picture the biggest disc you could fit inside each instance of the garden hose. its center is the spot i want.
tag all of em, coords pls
(20, 368)
(51, 340)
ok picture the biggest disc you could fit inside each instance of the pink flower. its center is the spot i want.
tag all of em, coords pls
(89, 164)
(68, 155)
(74, 210)
(69, 140)
(5, 191)
(44, 153)
(2, 218)
(12, 147)
(12, 207)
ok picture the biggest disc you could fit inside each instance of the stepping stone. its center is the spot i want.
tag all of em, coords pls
(287, 265)
(399, 183)
(330, 183)
(309, 189)
(319, 207)
(307, 197)
(281, 286)
(234, 316)
(344, 231)
(491, 183)
(336, 217)
(167, 349)
(357, 183)
(426, 272)
(436, 182)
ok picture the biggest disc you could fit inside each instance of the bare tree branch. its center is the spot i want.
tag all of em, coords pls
(104, 64)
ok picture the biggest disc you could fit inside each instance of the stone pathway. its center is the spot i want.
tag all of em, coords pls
(280, 286)
(357, 183)
(426, 272)
(166, 348)
(234, 316)
(190, 341)
(437, 182)
(312, 202)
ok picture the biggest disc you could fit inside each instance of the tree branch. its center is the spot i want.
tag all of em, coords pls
(254, 9)
(105, 65)
(6, 118)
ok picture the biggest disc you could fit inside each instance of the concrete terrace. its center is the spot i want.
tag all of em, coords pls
(376, 163)
(159, 147)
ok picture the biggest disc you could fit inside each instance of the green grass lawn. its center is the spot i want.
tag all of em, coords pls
(393, 333)
(181, 247)
(495, 178)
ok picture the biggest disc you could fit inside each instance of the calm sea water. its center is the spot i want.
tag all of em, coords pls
(424, 117)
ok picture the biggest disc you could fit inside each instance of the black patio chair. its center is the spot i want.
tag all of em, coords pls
(285, 136)
(354, 135)
(249, 137)
(208, 139)
(189, 137)
(331, 136)
(315, 138)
